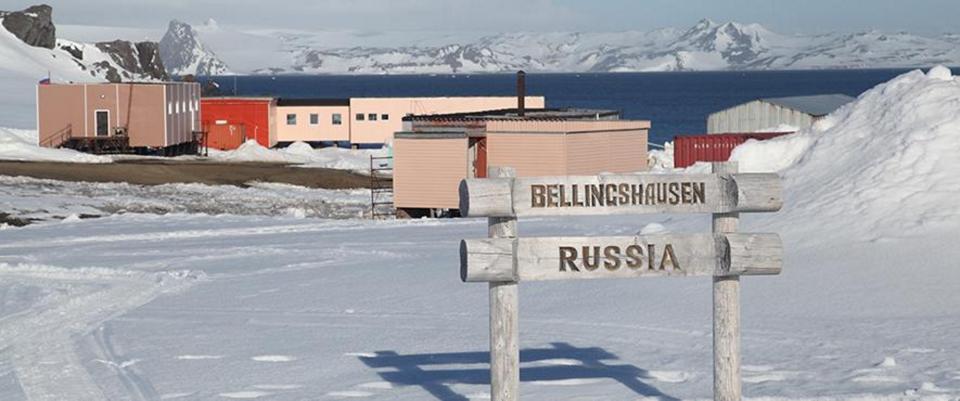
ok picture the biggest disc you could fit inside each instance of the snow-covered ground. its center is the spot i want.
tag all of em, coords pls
(303, 155)
(38, 199)
(199, 307)
(21, 145)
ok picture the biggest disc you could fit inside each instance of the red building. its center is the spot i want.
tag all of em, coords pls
(231, 121)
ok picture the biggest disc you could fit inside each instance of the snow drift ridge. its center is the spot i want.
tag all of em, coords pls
(883, 166)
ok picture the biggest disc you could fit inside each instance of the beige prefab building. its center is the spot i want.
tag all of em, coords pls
(372, 121)
(432, 157)
(152, 115)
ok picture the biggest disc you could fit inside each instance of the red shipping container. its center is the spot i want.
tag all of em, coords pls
(231, 121)
(688, 150)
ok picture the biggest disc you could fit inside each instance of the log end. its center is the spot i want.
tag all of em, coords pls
(758, 192)
(486, 197)
(488, 260)
(463, 261)
(749, 254)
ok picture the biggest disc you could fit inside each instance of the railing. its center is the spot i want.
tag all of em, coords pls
(381, 187)
(58, 138)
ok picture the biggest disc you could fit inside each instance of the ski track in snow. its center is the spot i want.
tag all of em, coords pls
(41, 339)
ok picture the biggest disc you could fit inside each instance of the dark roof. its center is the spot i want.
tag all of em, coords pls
(312, 102)
(512, 114)
(817, 105)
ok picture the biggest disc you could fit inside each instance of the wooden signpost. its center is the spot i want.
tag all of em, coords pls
(503, 260)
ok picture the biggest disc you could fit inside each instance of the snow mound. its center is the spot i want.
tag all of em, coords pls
(661, 159)
(250, 151)
(883, 166)
(21, 145)
(302, 154)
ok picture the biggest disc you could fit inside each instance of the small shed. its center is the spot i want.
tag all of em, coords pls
(436, 152)
(231, 121)
(765, 114)
(149, 116)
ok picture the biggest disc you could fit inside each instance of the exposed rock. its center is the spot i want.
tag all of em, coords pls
(74, 51)
(34, 26)
(110, 73)
(150, 61)
(139, 59)
(183, 53)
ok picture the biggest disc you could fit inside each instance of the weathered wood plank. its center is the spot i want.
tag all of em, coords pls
(567, 258)
(620, 194)
(726, 302)
(504, 314)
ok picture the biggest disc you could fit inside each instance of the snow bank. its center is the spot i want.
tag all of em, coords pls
(781, 128)
(661, 159)
(302, 154)
(22, 145)
(42, 199)
(885, 165)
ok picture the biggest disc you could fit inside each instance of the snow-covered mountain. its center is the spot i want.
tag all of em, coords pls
(183, 53)
(708, 45)
(29, 48)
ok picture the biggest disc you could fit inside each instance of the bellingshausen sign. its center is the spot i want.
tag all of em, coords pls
(503, 260)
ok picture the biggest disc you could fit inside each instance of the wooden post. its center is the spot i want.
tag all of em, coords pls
(726, 312)
(504, 308)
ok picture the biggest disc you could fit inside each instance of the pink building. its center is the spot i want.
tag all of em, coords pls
(316, 121)
(437, 152)
(365, 122)
(147, 116)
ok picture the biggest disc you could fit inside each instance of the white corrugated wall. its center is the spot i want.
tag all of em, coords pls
(755, 116)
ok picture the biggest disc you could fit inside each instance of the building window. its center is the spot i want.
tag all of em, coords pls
(372, 116)
(359, 116)
(385, 117)
(170, 109)
(336, 119)
(291, 119)
(314, 119)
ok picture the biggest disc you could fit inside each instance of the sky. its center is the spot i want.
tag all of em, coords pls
(785, 16)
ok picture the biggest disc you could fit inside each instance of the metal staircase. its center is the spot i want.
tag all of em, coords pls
(381, 187)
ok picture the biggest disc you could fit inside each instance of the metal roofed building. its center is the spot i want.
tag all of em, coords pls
(765, 114)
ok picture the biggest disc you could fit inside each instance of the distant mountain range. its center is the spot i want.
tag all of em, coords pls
(707, 46)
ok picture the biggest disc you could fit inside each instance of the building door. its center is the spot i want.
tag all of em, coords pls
(103, 122)
(480, 160)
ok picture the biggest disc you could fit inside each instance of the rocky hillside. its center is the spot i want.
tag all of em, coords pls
(183, 53)
(34, 26)
(29, 46)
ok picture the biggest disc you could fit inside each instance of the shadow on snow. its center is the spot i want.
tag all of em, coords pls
(408, 370)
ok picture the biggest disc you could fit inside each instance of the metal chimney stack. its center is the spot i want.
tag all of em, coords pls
(521, 93)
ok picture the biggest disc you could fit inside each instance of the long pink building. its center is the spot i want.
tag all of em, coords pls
(371, 121)
(437, 152)
(153, 116)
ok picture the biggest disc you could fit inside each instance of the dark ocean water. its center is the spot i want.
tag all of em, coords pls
(677, 103)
